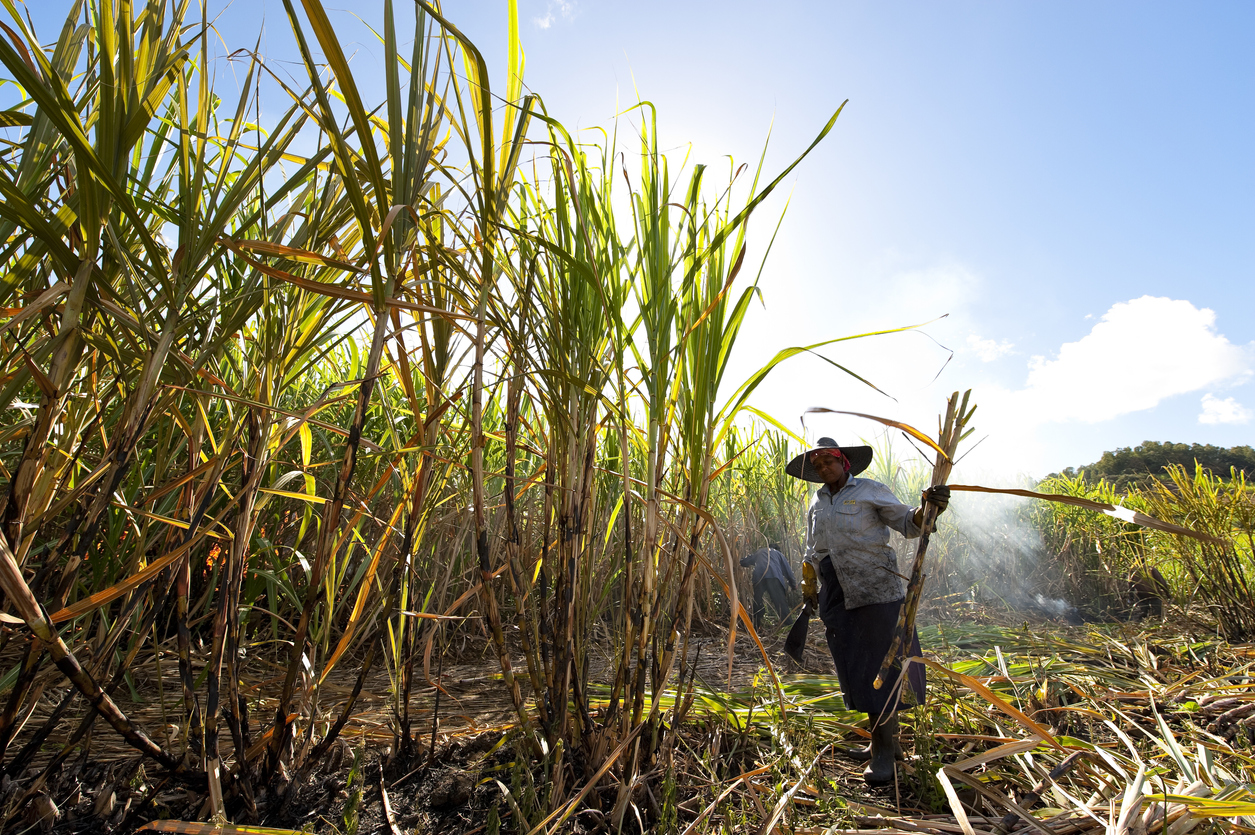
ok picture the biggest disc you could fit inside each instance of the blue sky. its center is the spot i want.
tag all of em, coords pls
(1071, 182)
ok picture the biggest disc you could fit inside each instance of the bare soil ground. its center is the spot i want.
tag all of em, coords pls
(367, 787)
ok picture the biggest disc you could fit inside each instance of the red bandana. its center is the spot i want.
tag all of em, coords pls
(835, 453)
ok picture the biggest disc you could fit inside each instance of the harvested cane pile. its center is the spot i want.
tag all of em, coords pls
(1041, 728)
(1054, 730)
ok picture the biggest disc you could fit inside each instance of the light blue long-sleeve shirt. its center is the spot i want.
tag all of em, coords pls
(851, 529)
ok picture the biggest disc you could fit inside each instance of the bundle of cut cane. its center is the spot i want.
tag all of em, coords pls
(953, 429)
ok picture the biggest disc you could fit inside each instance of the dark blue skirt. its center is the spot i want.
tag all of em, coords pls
(858, 640)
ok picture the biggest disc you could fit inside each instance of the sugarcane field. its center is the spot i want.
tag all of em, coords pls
(559, 416)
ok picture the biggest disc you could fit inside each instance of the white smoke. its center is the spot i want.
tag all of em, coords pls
(987, 552)
(1055, 607)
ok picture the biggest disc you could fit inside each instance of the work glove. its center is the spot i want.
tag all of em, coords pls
(810, 586)
(938, 497)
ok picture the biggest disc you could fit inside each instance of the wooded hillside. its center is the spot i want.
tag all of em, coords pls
(1126, 465)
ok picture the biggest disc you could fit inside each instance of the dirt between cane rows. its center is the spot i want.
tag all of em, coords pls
(474, 711)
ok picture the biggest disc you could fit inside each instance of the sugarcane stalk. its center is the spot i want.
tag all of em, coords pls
(625, 659)
(346, 712)
(400, 586)
(579, 646)
(436, 404)
(86, 723)
(513, 540)
(226, 618)
(951, 430)
(327, 529)
(69, 345)
(183, 583)
(1032, 797)
(21, 689)
(546, 624)
(19, 594)
(487, 595)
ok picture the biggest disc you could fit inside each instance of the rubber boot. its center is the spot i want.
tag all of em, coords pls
(882, 768)
(864, 754)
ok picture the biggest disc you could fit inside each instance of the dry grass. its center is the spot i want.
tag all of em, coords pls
(1043, 727)
(1039, 727)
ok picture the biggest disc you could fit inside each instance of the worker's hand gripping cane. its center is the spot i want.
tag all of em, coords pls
(938, 496)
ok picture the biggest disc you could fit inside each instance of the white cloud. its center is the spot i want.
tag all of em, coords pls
(1136, 355)
(564, 8)
(1216, 411)
(1141, 352)
(1129, 359)
(987, 349)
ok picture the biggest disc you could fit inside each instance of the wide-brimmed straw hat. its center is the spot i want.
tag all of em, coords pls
(800, 467)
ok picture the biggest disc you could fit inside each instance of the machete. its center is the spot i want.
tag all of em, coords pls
(795, 643)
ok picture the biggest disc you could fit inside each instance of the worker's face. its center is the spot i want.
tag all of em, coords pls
(829, 468)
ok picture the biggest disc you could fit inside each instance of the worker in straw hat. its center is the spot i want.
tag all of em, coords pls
(860, 592)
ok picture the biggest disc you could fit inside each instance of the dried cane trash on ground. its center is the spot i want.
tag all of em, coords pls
(1044, 728)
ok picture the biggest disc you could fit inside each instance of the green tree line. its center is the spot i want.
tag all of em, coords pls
(1127, 466)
